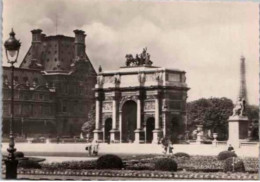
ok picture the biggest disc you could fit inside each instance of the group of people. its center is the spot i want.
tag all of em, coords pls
(93, 148)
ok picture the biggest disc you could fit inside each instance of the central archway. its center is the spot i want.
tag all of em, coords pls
(129, 111)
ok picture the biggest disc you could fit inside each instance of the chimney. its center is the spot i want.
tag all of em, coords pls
(79, 43)
(37, 37)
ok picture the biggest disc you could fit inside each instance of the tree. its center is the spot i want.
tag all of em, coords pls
(253, 116)
(212, 113)
(89, 125)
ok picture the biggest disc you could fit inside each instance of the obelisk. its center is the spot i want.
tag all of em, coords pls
(238, 122)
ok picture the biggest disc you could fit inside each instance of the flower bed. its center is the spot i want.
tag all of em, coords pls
(140, 174)
(251, 164)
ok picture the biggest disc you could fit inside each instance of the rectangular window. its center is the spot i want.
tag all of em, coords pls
(6, 109)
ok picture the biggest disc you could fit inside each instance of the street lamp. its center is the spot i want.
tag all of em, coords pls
(12, 46)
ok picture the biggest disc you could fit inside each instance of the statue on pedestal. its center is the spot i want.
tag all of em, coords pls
(239, 109)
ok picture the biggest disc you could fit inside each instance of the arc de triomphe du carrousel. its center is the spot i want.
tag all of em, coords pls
(140, 103)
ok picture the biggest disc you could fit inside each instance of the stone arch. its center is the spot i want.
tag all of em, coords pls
(125, 99)
(105, 117)
(149, 127)
(129, 121)
(107, 128)
(175, 128)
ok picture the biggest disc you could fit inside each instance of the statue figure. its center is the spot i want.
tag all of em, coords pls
(239, 108)
(100, 69)
(139, 60)
(100, 80)
(129, 59)
(116, 79)
(141, 77)
(144, 54)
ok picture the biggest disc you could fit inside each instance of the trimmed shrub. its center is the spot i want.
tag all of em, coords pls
(226, 154)
(234, 164)
(140, 166)
(28, 164)
(109, 161)
(166, 164)
(182, 154)
(19, 154)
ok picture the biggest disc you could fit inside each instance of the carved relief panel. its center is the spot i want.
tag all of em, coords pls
(107, 106)
(149, 105)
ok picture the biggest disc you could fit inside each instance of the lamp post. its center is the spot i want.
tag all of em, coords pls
(12, 46)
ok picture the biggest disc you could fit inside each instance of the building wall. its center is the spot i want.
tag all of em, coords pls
(33, 102)
(53, 87)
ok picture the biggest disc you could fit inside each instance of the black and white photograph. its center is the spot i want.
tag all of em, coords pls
(130, 90)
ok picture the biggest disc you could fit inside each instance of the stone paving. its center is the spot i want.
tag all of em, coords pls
(78, 150)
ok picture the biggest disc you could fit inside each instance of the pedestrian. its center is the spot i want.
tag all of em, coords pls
(231, 148)
(170, 146)
(89, 149)
(95, 148)
(164, 143)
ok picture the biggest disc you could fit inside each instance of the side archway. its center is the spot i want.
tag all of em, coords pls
(150, 126)
(108, 127)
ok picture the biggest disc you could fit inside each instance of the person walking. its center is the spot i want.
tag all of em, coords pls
(95, 148)
(89, 149)
(170, 146)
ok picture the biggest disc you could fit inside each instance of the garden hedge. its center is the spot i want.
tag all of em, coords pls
(226, 154)
(166, 164)
(18, 154)
(109, 161)
(234, 164)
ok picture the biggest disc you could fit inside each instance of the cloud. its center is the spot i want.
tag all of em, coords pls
(206, 39)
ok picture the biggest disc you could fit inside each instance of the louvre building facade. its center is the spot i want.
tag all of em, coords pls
(53, 87)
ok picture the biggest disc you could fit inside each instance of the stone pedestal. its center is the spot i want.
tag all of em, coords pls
(156, 136)
(137, 135)
(237, 130)
(199, 134)
(114, 136)
(97, 135)
(214, 142)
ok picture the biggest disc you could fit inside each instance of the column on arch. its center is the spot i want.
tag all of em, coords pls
(157, 130)
(98, 132)
(138, 120)
(114, 133)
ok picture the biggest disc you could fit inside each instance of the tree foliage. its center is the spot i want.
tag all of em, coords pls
(253, 116)
(213, 113)
(89, 125)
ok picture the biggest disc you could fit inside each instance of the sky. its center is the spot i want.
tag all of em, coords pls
(205, 39)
